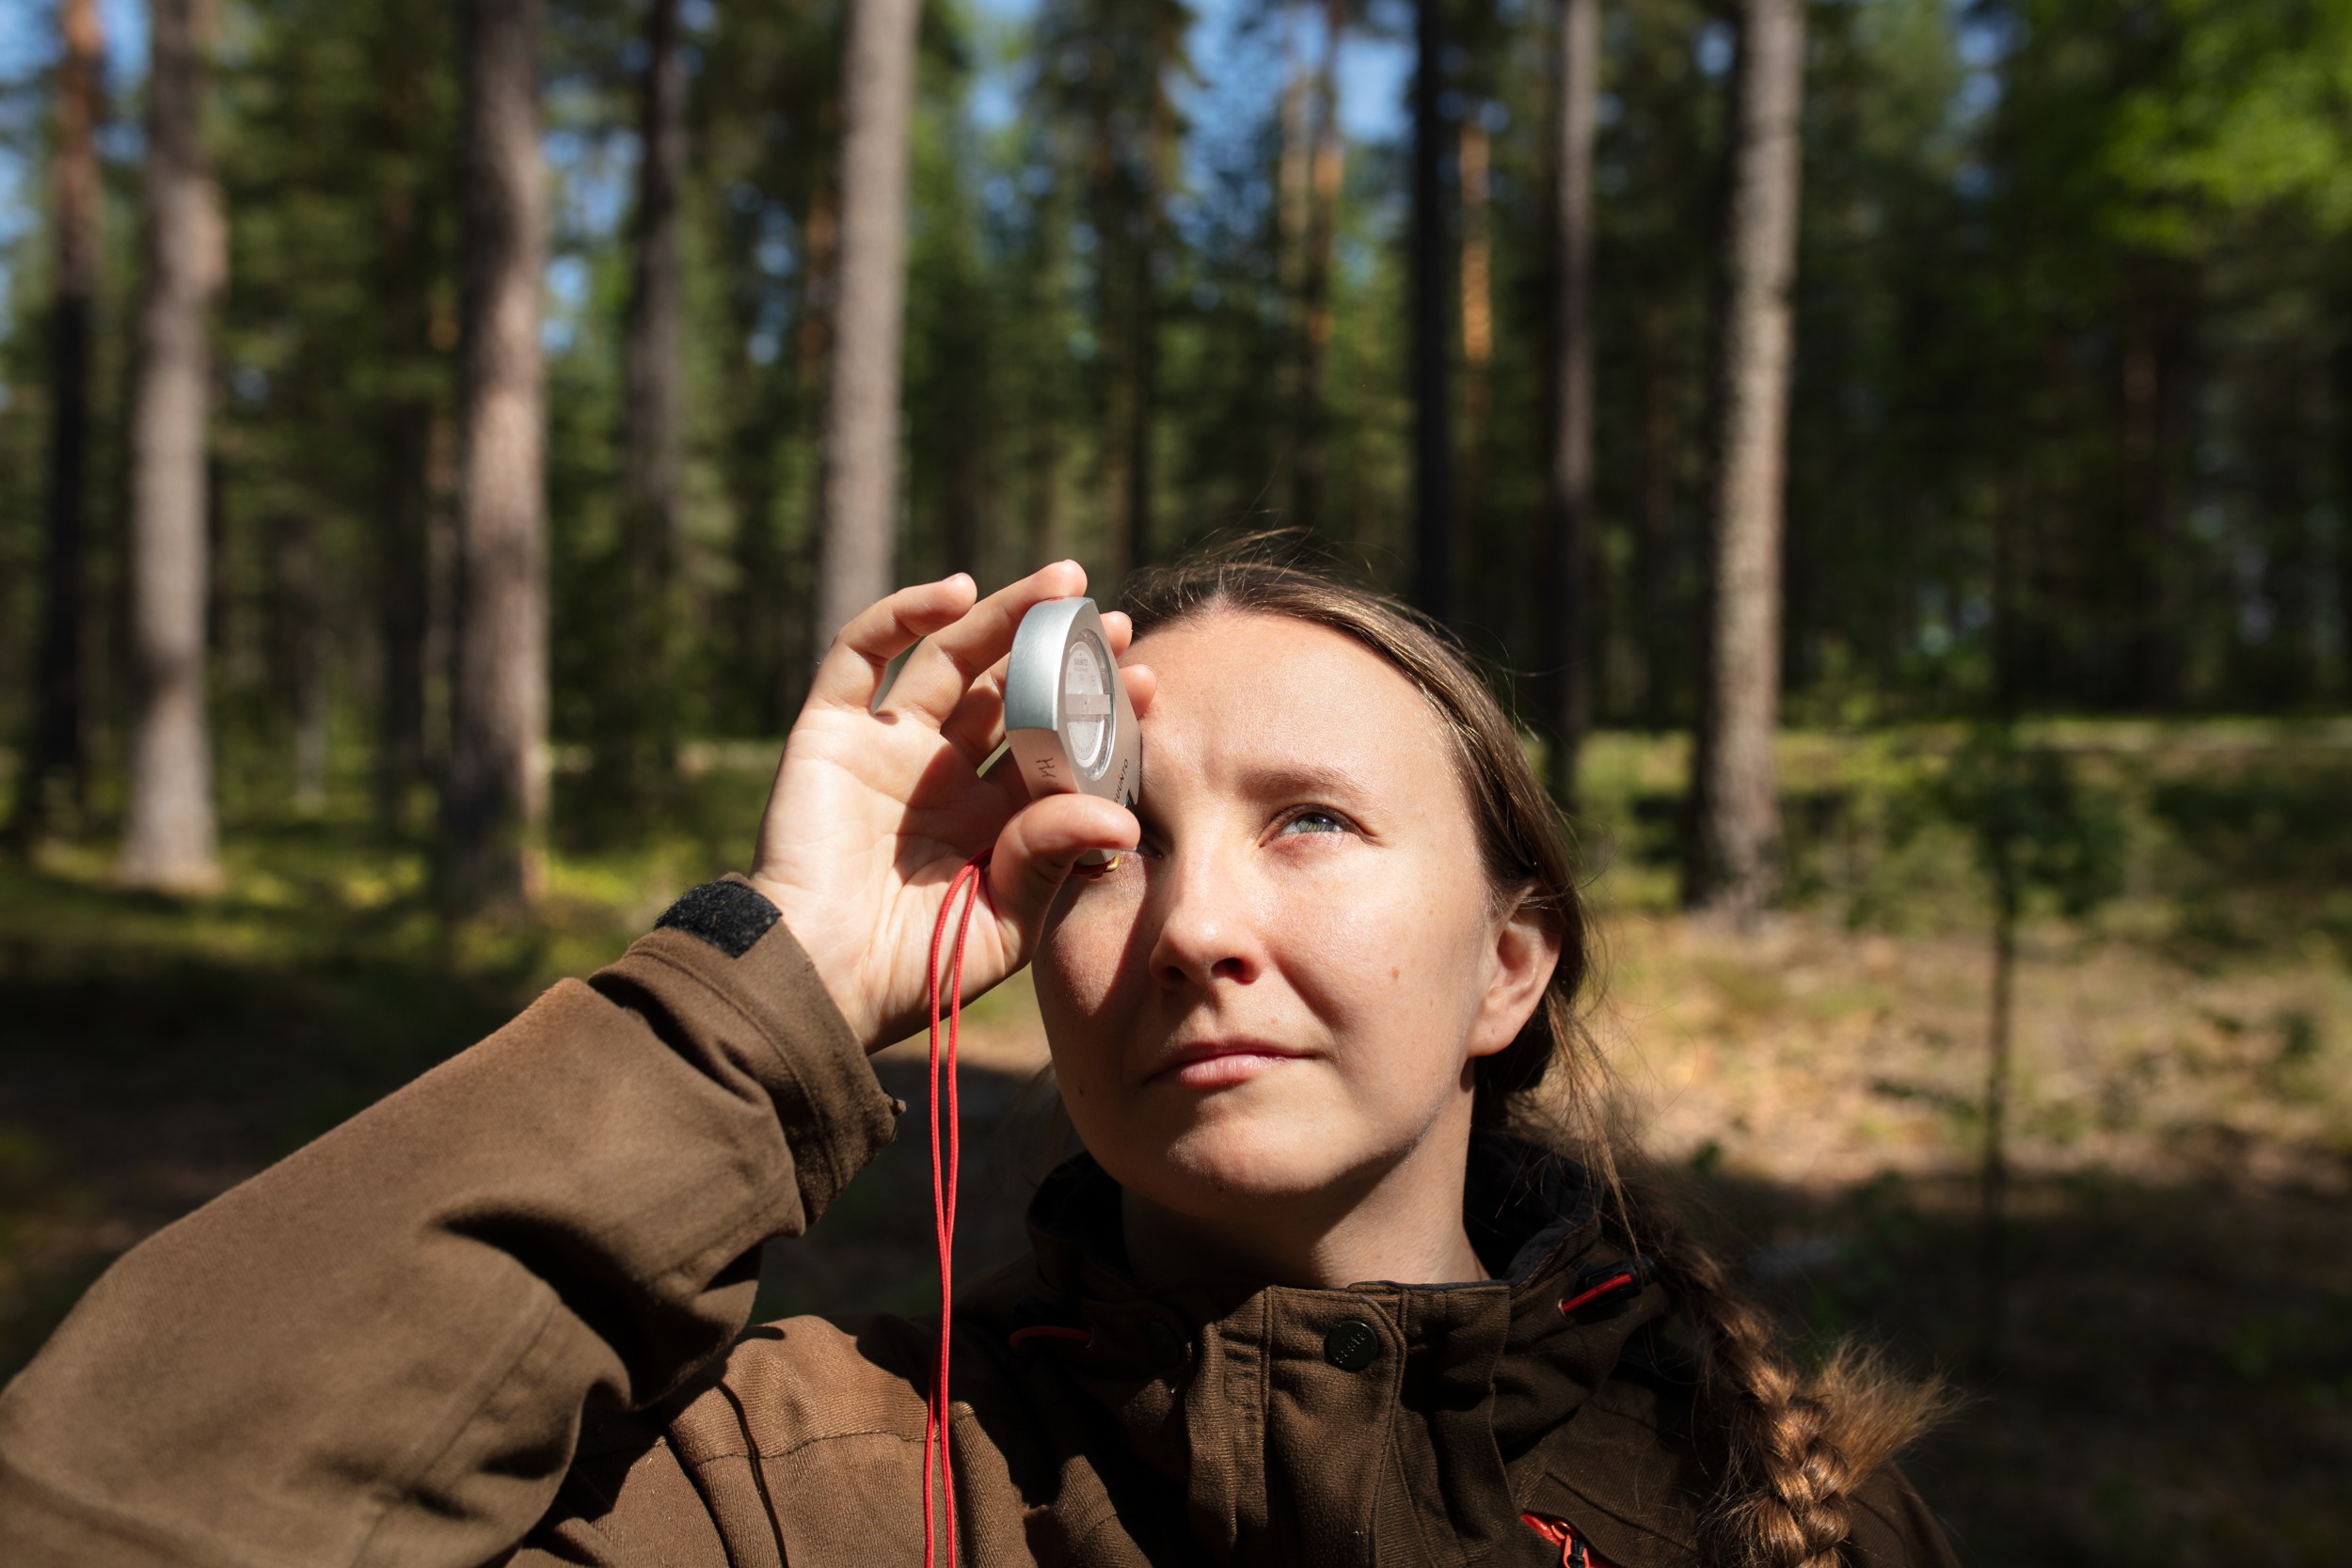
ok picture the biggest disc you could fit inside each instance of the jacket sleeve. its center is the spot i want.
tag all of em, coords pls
(378, 1350)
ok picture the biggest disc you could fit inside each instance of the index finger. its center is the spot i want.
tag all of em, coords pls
(939, 673)
(851, 670)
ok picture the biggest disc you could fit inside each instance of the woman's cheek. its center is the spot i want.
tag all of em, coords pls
(1078, 959)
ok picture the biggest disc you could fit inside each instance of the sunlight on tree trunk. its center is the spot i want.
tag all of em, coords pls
(1312, 173)
(54, 787)
(171, 839)
(1735, 842)
(1572, 477)
(495, 800)
(1476, 276)
(861, 456)
(1433, 404)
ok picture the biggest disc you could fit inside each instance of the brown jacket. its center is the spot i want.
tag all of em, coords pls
(500, 1316)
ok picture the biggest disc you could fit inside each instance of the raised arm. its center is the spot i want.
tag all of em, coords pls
(378, 1350)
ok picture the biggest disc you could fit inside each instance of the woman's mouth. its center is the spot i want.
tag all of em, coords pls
(1218, 1064)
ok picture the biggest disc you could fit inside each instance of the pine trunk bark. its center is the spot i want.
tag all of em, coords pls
(1735, 842)
(2340, 418)
(54, 787)
(861, 447)
(171, 839)
(1433, 407)
(303, 609)
(1322, 167)
(1476, 276)
(1656, 558)
(1143, 349)
(653, 414)
(1571, 478)
(404, 418)
(495, 804)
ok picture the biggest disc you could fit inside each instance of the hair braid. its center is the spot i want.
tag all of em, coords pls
(1793, 1445)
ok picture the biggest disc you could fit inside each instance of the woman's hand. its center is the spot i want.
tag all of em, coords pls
(874, 810)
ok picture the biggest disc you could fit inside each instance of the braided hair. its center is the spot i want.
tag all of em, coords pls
(1788, 1447)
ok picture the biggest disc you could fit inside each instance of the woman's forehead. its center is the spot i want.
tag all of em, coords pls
(1249, 690)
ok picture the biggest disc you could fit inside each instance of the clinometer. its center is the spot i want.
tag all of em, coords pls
(1068, 723)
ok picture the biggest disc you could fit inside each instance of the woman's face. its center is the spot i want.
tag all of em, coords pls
(1282, 993)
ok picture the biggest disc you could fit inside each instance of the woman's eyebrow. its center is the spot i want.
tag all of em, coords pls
(1284, 780)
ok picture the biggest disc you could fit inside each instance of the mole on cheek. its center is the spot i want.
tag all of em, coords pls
(1395, 973)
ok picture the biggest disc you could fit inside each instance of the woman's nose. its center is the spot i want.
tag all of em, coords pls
(1202, 930)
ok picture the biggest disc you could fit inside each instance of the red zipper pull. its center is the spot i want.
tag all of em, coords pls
(1572, 1550)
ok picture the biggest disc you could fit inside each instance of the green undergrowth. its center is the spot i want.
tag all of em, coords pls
(2174, 1364)
(2214, 838)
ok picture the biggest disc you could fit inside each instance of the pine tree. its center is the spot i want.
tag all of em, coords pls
(861, 451)
(1735, 845)
(170, 840)
(495, 805)
(1571, 470)
(58, 765)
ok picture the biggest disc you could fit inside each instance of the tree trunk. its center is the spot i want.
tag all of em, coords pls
(1478, 345)
(1657, 558)
(1319, 202)
(404, 422)
(2150, 392)
(495, 804)
(1571, 478)
(2341, 416)
(405, 442)
(1143, 351)
(861, 451)
(57, 763)
(1433, 408)
(1735, 845)
(1293, 170)
(171, 838)
(303, 630)
(653, 414)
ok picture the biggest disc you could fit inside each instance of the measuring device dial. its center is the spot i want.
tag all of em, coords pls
(1068, 725)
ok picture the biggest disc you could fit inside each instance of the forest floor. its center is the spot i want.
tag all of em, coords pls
(2164, 1374)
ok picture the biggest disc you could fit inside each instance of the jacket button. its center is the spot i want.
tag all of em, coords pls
(1351, 1345)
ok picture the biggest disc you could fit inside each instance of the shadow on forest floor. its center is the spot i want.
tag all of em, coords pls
(2175, 1384)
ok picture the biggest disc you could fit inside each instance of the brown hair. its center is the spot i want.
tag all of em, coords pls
(1791, 1446)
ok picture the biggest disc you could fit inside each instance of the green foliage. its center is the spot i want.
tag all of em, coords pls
(2071, 336)
(2037, 828)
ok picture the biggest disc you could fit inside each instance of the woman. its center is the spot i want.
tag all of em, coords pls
(1305, 1300)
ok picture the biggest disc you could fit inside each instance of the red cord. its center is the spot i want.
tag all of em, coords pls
(1615, 1282)
(946, 1155)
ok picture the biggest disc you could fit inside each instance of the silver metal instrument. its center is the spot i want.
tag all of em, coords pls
(1068, 723)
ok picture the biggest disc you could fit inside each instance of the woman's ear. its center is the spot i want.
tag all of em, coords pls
(1526, 950)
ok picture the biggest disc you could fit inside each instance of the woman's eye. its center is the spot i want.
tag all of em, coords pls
(1313, 821)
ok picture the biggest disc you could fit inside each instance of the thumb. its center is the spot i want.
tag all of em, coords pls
(1037, 847)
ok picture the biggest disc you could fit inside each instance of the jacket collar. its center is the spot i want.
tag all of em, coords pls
(1303, 1425)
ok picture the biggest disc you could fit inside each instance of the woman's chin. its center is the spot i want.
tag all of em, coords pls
(1209, 1166)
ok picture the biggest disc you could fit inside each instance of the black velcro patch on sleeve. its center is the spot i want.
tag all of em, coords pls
(729, 916)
